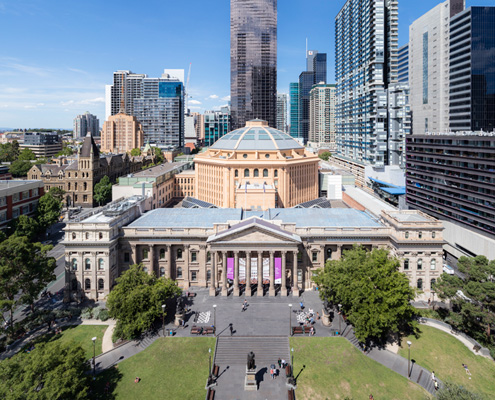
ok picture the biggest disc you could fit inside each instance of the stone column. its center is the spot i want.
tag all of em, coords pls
(133, 254)
(152, 260)
(283, 290)
(224, 274)
(213, 290)
(295, 288)
(187, 256)
(248, 291)
(169, 261)
(260, 273)
(236, 273)
(271, 291)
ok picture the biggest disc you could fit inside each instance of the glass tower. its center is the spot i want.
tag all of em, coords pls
(253, 61)
(294, 109)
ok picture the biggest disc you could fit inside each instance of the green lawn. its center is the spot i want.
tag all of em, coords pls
(440, 352)
(335, 369)
(171, 368)
(82, 335)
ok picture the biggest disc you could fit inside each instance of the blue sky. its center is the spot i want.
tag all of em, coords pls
(57, 55)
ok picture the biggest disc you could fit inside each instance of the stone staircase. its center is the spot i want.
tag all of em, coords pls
(267, 350)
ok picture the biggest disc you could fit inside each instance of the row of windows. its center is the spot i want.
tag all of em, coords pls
(87, 284)
(419, 264)
(86, 235)
(179, 254)
(87, 264)
(419, 284)
(420, 235)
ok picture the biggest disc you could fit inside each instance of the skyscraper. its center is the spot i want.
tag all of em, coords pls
(404, 64)
(253, 61)
(366, 34)
(322, 115)
(294, 109)
(86, 123)
(282, 112)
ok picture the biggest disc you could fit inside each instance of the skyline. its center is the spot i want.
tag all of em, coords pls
(59, 56)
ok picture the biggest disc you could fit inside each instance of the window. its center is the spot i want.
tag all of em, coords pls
(145, 254)
(162, 272)
(87, 284)
(420, 235)
(433, 264)
(85, 186)
(87, 235)
(179, 273)
(236, 173)
(126, 257)
(74, 264)
(299, 256)
(299, 275)
(100, 235)
(246, 173)
(85, 198)
(433, 235)
(194, 276)
(256, 173)
(433, 283)
(208, 257)
(208, 275)
(406, 264)
(407, 235)
(267, 155)
(425, 71)
(73, 235)
(315, 256)
(193, 257)
(420, 264)
(179, 254)
(329, 254)
(101, 264)
(275, 173)
(101, 284)
(162, 254)
(244, 155)
(87, 264)
(419, 284)
(265, 173)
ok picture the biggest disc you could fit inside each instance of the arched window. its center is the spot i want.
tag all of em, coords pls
(101, 264)
(407, 235)
(246, 173)
(179, 254)
(406, 264)
(74, 284)
(433, 264)
(420, 264)
(100, 235)
(420, 235)
(419, 284)
(236, 173)
(145, 254)
(101, 284)
(87, 264)
(256, 173)
(87, 284)
(162, 272)
(179, 272)
(433, 283)
(87, 235)
(74, 264)
(85, 186)
(265, 173)
(73, 235)
(162, 254)
(275, 173)
(208, 275)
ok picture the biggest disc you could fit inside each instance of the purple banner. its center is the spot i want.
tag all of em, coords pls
(230, 268)
(278, 270)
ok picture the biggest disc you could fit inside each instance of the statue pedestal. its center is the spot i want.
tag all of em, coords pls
(178, 318)
(325, 318)
(250, 380)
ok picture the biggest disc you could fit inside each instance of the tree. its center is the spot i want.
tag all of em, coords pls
(103, 190)
(157, 152)
(66, 151)
(475, 306)
(26, 226)
(135, 152)
(57, 193)
(451, 391)
(9, 151)
(136, 301)
(374, 295)
(48, 211)
(325, 155)
(26, 155)
(25, 269)
(20, 168)
(53, 370)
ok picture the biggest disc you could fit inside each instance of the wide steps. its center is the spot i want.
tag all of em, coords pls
(267, 350)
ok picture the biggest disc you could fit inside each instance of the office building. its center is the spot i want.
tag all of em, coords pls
(282, 112)
(199, 126)
(472, 74)
(18, 198)
(366, 34)
(121, 133)
(399, 122)
(322, 115)
(86, 123)
(253, 61)
(126, 87)
(42, 144)
(429, 67)
(403, 65)
(216, 125)
(294, 109)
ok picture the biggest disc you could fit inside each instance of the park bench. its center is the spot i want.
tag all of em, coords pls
(211, 394)
(291, 395)
(216, 370)
(288, 371)
(208, 331)
(191, 294)
(299, 330)
(196, 330)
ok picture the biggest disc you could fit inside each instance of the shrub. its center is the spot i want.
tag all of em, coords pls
(96, 312)
(104, 315)
(87, 313)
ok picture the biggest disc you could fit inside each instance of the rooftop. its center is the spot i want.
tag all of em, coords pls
(17, 183)
(159, 170)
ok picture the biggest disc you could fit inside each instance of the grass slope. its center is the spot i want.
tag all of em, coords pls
(438, 351)
(335, 370)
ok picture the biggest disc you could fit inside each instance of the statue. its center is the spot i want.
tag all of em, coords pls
(250, 361)
(180, 306)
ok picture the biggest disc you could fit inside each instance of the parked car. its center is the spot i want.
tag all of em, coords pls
(448, 269)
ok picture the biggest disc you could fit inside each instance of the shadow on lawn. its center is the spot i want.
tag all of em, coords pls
(103, 387)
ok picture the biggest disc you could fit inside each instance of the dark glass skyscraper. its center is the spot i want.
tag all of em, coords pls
(253, 61)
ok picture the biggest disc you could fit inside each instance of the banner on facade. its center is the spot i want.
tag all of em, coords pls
(278, 270)
(230, 268)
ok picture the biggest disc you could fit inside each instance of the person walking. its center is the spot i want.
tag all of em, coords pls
(436, 384)
(231, 329)
(279, 362)
(272, 373)
(433, 375)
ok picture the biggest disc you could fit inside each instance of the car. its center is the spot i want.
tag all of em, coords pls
(448, 269)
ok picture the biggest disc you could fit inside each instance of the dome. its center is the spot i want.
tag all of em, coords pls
(256, 135)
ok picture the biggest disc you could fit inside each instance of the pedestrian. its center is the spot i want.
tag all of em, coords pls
(432, 375)
(317, 316)
(279, 362)
(272, 373)
(137, 379)
(371, 397)
(245, 304)
(301, 304)
(312, 331)
(466, 369)
(284, 363)
(436, 385)
(243, 308)
(231, 330)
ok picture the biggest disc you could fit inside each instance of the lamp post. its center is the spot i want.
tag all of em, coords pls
(292, 361)
(409, 359)
(290, 319)
(163, 318)
(340, 319)
(94, 355)
(209, 370)
(214, 317)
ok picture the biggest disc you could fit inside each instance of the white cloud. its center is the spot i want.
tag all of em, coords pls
(194, 102)
(30, 107)
(226, 98)
(213, 96)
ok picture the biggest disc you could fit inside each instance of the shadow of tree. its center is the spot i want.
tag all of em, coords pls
(104, 384)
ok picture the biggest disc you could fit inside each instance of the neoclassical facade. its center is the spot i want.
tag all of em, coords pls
(237, 252)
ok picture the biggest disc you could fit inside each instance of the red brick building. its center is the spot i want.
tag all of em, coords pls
(18, 198)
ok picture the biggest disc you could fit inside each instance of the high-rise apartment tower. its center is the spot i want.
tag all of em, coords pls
(282, 112)
(86, 123)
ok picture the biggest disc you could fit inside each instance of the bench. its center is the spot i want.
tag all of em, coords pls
(196, 330)
(216, 370)
(288, 371)
(291, 395)
(208, 331)
(211, 394)
(190, 294)
(299, 330)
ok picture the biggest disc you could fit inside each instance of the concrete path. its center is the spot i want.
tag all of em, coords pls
(106, 344)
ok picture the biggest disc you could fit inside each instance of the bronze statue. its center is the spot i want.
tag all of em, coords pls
(250, 361)
(180, 306)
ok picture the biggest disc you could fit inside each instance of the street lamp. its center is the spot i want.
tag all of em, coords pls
(340, 319)
(292, 361)
(409, 359)
(209, 370)
(290, 319)
(94, 355)
(163, 318)
(214, 317)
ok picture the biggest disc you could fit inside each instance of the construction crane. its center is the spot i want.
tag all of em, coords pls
(186, 90)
